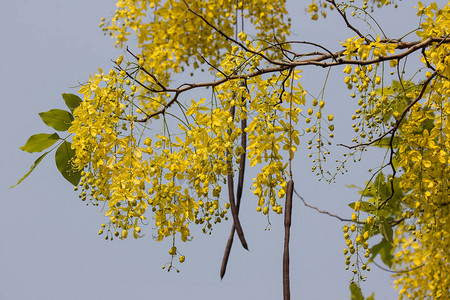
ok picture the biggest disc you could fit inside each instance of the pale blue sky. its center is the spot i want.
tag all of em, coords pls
(50, 248)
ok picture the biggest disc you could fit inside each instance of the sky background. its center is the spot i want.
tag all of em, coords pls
(50, 248)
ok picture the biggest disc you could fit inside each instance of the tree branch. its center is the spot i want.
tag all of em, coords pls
(344, 16)
(323, 211)
(317, 61)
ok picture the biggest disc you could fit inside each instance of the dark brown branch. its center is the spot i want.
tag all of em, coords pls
(344, 16)
(314, 53)
(191, 86)
(285, 52)
(212, 66)
(426, 60)
(392, 223)
(317, 61)
(396, 222)
(400, 77)
(148, 73)
(136, 80)
(312, 44)
(283, 88)
(369, 143)
(161, 111)
(322, 211)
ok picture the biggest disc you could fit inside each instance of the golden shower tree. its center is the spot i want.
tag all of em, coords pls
(135, 134)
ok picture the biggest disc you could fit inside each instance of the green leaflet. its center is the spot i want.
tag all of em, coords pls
(386, 230)
(39, 142)
(356, 293)
(385, 249)
(72, 101)
(57, 119)
(33, 166)
(63, 158)
(386, 142)
(60, 120)
(364, 206)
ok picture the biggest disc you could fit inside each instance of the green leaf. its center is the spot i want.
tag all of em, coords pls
(352, 186)
(364, 206)
(386, 91)
(385, 249)
(72, 101)
(39, 142)
(356, 293)
(57, 119)
(386, 142)
(63, 158)
(33, 166)
(386, 230)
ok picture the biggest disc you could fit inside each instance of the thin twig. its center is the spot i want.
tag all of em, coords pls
(344, 16)
(309, 43)
(392, 223)
(322, 211)
(136, 80)
(148, 73)
(369, 143)
(230, 38)
(212, 66)
(396, 272)
(283, 51)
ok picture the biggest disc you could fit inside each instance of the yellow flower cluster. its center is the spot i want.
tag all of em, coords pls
(423, 155)
(374, 108)
(133, 168)
(269, 131)
(130, 172)
(319, 7)
(418, 114)
(119, 165)
(321, 131)
(171, 37)
(361, 241)
(134, 161)
(358, 47)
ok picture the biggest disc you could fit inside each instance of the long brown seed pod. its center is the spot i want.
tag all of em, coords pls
(234, 212)
(240, 186)
(233, 207)
(287, 232)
